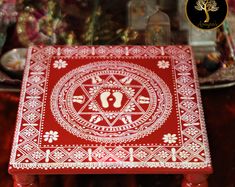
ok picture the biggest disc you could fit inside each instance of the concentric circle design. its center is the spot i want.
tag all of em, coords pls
(111, 102)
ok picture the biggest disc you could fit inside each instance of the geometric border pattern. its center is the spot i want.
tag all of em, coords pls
(193, 153)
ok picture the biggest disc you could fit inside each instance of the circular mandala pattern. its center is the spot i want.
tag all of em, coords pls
(111, 102)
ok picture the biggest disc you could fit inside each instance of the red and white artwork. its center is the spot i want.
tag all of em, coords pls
(115, 109)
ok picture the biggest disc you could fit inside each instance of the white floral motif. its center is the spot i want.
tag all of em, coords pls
(37, 155)
(141, 154)
(50, 136)
(120, 154)
(169, 138)
(29, 132)
(60, 64)
(58, 155)
(79, 155)
(31, 116)
(99, 154)
(188, 104)
(130, 108)
(192, 131)
(36, 79)
(184, 154)
(193, 146)
(93, 90)
(93, 107)
(183, 68)
(111, 115)
(34, 91)
(163, 154)
(182, 56)
(33, 103)
(130, 91)
(111, 83)
(50, 51)
(162, 64)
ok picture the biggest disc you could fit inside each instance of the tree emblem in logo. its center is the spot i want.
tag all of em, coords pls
(207, 6)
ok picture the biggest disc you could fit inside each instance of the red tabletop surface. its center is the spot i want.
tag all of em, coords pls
(110, 109)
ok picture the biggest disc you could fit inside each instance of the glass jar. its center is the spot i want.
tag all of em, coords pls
(137, 12)
(158, 30)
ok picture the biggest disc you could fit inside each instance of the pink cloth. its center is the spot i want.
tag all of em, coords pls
(231, 4)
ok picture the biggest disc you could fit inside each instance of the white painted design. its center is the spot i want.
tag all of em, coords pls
(130, 91)
(184, 154)
(184, 80)
(120, 153)
(130, 108)
(50, 136)
(33, 104)
(69, 51)
(191, 153)
(36, 79)
(193, 146)
(47, 155)
(142, 153)
(96, 80)
(93, 107)
(126, 80)
(28, 132)
(118, 99)
(192, 131)
(79, 154)
(188, 104)
(173, 151)
(28, 147)
(169, 138)
(59, 155)
(104, 99)
(49, 50)
(163, 154)
(60, 64)
(95, 119)
(114, 111)
(163, 64)
(127, 119)
(37, 155)
(31, 116)
(79, 99)
(34, 90)
(143, 100)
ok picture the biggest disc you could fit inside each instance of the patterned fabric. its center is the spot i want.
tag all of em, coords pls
(129, 108)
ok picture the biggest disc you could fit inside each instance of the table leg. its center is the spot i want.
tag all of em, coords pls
(195, 180)
(25, 181)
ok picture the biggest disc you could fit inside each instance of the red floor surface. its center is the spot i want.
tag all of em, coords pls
(219, 108)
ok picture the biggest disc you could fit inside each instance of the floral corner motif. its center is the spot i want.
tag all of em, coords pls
(51, 136)
(169, 138)
(163, 64)
(60, 64)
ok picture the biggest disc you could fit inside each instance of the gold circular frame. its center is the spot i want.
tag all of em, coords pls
(185, 11)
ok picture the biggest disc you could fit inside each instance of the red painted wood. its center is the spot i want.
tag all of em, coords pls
(195, 180)
(25, 181)
(110, 110)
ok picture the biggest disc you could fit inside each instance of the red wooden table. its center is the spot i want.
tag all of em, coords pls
(110, 109)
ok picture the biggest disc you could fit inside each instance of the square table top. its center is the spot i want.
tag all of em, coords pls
(110, 109)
